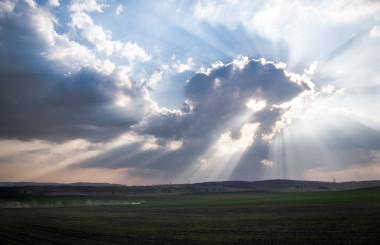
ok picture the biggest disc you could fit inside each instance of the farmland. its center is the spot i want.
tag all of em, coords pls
(260, 217)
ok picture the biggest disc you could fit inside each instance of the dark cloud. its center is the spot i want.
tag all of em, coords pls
(215, 103)
(220, 96)
(60, 108)
(36, 102)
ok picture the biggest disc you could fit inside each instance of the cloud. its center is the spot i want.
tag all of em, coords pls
(60, 108)
(39, 24)
(119, 9)
(39, 101)
(375, 31)
(181, 67)
(6, 6)
(54, 3)
(86, 5)
(72, 78)
(307, 30)
(233, 13)
(102, 39)
(311, 70)
(224, 12)
(327, 88)
(221, 115)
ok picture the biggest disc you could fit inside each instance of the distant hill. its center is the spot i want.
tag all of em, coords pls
(284, 184)
(55, 184)
(106, 189)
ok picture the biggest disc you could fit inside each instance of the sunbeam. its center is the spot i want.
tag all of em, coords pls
(221, 159)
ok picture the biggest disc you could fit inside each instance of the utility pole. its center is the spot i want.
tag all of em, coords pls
(334, 187)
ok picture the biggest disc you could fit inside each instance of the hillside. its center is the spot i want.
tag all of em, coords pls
(105, 189)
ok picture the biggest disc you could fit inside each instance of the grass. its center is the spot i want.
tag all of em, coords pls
(342, 217)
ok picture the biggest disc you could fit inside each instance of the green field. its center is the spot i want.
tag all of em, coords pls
(334, 217)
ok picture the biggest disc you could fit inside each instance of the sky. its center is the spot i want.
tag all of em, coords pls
(156, 92)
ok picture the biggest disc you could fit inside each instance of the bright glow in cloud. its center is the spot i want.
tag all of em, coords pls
(227, 145)
(256, 105)
(266, 162)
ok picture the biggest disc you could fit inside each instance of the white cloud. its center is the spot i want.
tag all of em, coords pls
(181, 67)
(208, 70)
(31, 3)
(133, 51)
(122, 77)
(241, 62)
(107, 67)
(102, 39)
(340, 91)
(6, 6)
(375, 31)
(94, 33)
(71, 54)
(155, 79)
(328, 88)
(43, 22)
(266, 162)
(312, 68)
(54, 3)
(175, 144)
(86, 6)
(119, 9)
(59, 47)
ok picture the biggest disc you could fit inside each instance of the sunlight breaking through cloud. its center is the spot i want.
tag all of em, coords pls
(159, 91)
(256, 105)
(220, 160)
